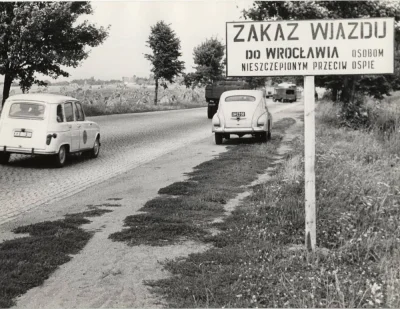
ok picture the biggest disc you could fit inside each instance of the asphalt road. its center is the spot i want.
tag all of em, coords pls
(128, 141)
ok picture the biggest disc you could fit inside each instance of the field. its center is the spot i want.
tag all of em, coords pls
(131, 98)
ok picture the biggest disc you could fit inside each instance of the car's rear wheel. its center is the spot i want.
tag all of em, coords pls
(269, 132)
(218, 138)
(61, 158)
(94, 153)
(4, 157)
(263, 137)
(227, 136)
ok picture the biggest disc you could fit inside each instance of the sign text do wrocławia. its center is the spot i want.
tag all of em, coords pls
(310, 47)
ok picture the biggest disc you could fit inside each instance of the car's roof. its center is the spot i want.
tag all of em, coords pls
(258, 94)
(41, 97)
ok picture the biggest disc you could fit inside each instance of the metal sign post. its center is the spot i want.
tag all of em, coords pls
(309, 48)
(309, 161)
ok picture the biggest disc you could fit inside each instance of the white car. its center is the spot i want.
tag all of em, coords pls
(46, 124)
(242, 112)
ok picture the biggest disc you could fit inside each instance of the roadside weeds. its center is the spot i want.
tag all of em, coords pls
(26, 262)
(185, 210)
(258, 257)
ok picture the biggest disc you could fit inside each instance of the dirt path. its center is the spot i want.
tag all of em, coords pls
(110, 274)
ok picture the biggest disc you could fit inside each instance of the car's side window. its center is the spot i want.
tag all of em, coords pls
(69, 112)
(80, 116)
(60, 113)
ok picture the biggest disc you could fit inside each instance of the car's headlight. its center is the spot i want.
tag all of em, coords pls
(215, 121)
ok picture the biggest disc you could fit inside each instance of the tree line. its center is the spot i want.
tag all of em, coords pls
(45, 37)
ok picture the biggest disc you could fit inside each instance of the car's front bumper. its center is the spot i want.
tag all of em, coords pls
(26, 150)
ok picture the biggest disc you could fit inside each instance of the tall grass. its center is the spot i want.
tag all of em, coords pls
(119, 99)
(131, 100)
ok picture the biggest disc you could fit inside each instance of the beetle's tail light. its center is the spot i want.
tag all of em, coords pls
(261, 120)
(216, 122)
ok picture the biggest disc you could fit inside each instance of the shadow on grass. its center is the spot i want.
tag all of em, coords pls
(186, 209)
(27, 262)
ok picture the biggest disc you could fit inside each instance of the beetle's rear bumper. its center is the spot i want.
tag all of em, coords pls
(238, 130)
(26, 150)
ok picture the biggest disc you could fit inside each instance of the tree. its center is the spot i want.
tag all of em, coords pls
(210, 63)
(376, 86)
(166, 51)
(41, 37)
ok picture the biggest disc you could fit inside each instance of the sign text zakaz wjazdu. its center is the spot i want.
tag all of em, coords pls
(310, 47)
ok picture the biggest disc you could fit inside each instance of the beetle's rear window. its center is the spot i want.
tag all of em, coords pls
(27, 110)
(240, 98)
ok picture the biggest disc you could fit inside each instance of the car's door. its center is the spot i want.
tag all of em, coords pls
(87, 130)
(69, 110)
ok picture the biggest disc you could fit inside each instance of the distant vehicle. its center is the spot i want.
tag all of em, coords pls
(269, 92)
(285, 93)
(213, 93)
(46, 124)
(242, 112)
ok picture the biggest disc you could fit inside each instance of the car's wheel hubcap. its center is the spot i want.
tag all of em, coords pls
(96, 147)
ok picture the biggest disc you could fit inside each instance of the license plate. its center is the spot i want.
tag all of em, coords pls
(238, 114)
(22, 134)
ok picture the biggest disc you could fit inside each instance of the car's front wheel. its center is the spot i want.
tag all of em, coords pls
(218, 138)
(94, 153)
(61, 158)
(4, 157)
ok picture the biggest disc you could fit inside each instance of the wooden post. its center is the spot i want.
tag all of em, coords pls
(309, 161)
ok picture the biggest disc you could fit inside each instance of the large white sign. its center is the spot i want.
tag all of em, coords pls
(310, 47)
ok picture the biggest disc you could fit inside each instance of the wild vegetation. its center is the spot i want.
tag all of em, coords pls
(186, 210)
(259, 260)
(119, 99)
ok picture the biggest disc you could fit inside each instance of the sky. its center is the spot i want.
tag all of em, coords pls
(122, 52)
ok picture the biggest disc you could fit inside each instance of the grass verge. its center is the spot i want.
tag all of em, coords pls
(27, 262)
(185, 210)
(258, 260)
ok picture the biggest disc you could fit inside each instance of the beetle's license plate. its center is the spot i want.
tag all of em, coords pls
(22, 134)
(238, 114)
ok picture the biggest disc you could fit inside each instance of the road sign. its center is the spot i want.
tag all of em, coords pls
(310, 47)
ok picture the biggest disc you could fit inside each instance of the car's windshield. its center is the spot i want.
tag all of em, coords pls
(27, 110)
(240, 98)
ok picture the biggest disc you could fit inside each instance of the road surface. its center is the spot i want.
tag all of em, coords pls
(128, 141)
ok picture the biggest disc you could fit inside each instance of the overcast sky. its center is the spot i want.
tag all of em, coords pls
(122, 53)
